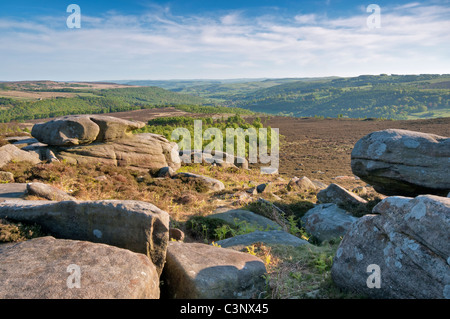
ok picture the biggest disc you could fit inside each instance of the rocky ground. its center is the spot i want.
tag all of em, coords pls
(287, 227)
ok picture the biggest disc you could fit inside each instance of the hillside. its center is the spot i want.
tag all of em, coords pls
(398, 97)
(381, 96)
(395, 97)
(43, 99)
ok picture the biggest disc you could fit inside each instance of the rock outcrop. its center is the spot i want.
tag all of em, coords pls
(138, 226)
(106, 140)
(407, 239)
(401, 162)
(199, 271)
(49, 268)
(83, 129)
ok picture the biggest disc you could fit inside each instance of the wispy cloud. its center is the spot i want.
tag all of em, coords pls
(413, 38)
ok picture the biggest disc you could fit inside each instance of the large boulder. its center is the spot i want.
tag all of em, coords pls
(83, 129)
(49, 268)
(138, 226)
(81, 139)
(401, 162)
(10, 153)
(140, 151)
(200, 271)
(327, 221)
(403, 247)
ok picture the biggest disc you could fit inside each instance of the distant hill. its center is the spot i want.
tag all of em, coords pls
(382, 96)
(394, 96)
(36, 100)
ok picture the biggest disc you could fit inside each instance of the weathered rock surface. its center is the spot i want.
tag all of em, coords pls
(138, 226)
(47, 191)
(327, 221)
(199, 271)
(267, 237)
(211, 183)
(236, 216)
(140, 151)
(44, 268)
(10, 153)
(408, 239)
(401, 162)
(338, 195)
(83, 129)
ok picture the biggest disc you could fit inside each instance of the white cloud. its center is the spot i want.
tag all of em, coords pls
(412, 39)
(306, 18)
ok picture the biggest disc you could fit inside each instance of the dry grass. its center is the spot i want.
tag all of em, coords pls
(303, 273)
(15, 232)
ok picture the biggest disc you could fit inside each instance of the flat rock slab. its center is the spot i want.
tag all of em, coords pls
(13, 191)
(237, 216)
(267, 237)
(49, 268)
(138, 226)
(199, 271)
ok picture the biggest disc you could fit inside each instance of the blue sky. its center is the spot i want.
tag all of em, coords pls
(138, 39)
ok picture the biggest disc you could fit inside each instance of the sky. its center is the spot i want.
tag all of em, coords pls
(216, 39)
